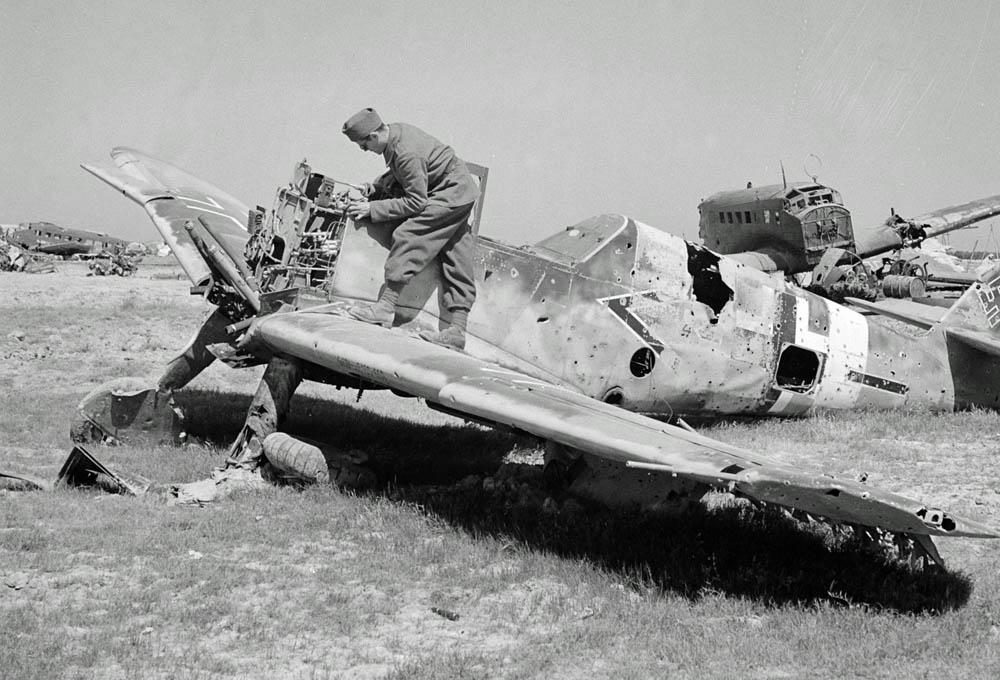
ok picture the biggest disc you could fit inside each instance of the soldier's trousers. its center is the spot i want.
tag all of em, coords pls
(437, 232)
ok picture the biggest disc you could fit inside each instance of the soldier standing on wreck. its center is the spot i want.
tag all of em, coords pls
(428, 193)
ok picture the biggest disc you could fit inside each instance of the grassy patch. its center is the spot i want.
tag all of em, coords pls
(455, 567)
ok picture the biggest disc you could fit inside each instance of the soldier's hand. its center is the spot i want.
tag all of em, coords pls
(359, 210)
(367, 189)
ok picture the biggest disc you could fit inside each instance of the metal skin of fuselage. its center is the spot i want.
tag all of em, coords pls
(632, 315)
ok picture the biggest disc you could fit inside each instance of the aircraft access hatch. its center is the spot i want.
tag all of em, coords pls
(798, 369)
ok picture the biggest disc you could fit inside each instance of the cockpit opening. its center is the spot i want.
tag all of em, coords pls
(797, 199)
(707, 284)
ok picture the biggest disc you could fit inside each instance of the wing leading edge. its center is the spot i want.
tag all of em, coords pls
(488, 392)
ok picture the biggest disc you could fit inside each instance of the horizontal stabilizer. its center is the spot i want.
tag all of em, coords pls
(980, 340)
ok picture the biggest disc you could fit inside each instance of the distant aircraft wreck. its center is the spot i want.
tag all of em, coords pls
(15, 258)
(51, 239)
(583, 340)
(805, 228)
(117, 262)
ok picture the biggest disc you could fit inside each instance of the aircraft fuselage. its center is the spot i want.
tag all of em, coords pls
(632, 315)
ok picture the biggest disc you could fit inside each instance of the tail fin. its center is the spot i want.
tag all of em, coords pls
(971, 329)
(979, 307)
(974, 320)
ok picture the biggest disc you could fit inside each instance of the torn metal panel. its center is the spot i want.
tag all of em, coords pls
(127, 410)
(83, 469)
(707, 285)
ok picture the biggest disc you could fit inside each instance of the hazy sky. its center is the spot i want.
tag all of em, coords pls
(581, 108)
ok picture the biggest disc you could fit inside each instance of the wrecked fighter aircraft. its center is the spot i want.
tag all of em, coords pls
(584, 339)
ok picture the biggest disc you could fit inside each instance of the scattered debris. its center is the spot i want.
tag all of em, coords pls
(12, 481)
(83, 469)
(14, 258)
(17, 580)
(221, 484)
(127, 410)
(446, 613)
(113, 263)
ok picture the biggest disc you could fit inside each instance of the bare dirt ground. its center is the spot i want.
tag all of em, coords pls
(451, 570)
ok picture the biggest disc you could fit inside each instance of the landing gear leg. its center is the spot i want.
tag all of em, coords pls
(195, 358)
(267, 411)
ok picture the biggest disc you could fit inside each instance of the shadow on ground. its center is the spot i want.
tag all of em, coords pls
(402, 453)
(737, 550)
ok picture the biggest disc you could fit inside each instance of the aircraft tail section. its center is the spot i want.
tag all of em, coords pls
(971, 329)
(978, 310)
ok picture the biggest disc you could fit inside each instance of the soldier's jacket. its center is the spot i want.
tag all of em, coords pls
(422, 171)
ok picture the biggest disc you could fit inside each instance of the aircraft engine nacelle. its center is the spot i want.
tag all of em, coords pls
(306, 251)
(297, 244)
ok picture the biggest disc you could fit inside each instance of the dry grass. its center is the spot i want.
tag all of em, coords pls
(435, 574)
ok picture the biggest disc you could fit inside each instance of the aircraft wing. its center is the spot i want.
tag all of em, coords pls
(62, 249)
(172, 198)
(958, 216)
(884, 238)
(482, 391)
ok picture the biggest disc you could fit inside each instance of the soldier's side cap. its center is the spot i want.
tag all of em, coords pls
(362, 124)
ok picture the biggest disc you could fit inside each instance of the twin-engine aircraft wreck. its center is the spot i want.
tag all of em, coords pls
(587, 339)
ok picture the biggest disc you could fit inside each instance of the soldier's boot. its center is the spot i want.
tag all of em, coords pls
(382, 312)
(451, 336)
